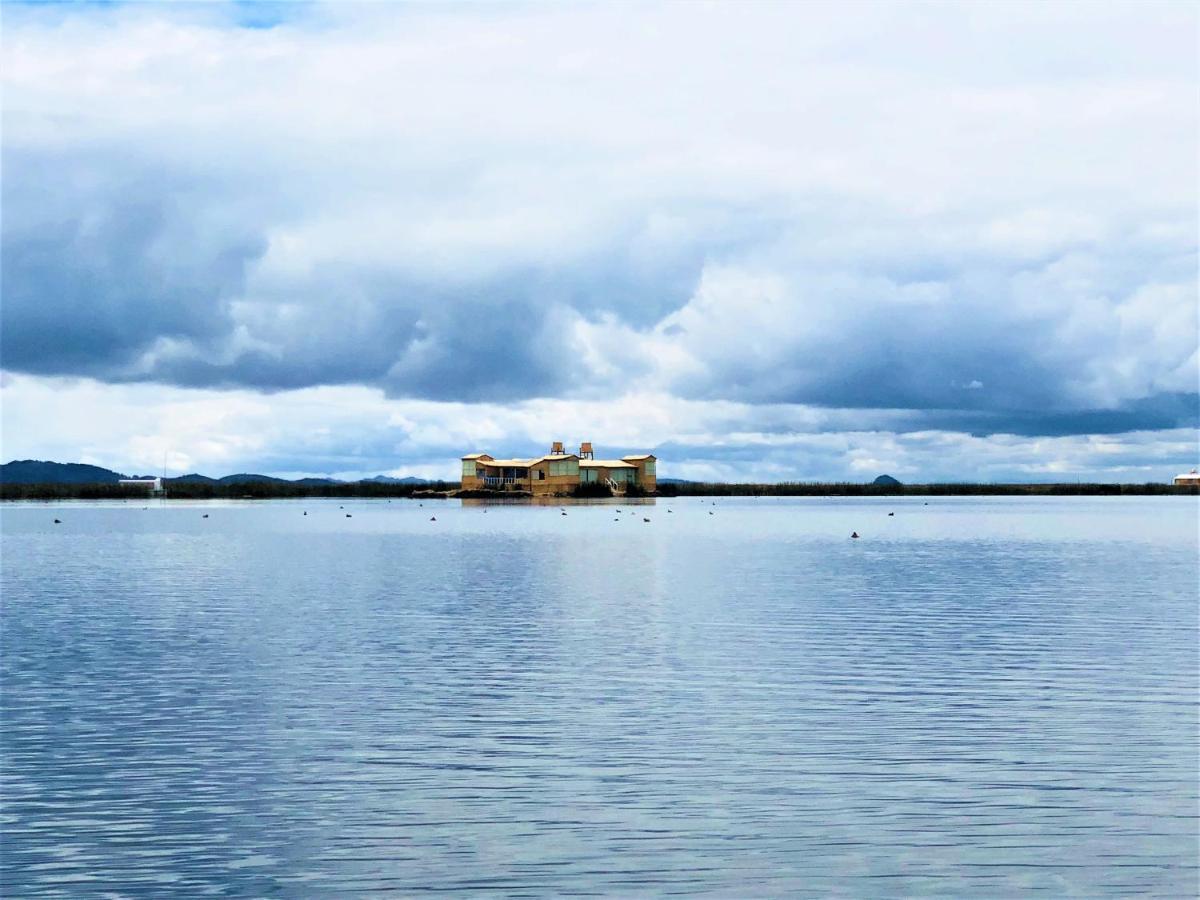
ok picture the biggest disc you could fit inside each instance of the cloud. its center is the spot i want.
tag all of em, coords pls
(353, 431)
(925, 217)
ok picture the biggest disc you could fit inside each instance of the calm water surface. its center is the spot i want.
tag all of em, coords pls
(981, 697)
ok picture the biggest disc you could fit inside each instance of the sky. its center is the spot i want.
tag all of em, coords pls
(765, 241)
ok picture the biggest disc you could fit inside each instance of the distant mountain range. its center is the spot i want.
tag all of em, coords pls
(33, 471)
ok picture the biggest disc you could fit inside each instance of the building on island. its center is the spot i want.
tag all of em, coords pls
(559, 472)
(1190, 479)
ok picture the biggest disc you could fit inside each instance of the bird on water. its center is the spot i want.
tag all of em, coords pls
(854, 534)
(58, 521)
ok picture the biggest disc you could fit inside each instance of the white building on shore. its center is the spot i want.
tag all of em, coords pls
(154, 484)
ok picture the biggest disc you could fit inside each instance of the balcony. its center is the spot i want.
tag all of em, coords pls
(505, 483)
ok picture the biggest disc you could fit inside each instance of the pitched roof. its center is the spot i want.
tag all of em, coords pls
(605, 464)
(476, 456)
(640, 456)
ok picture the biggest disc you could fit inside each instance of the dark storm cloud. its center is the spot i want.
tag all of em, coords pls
(1160, 411)
(99, 266)
(120, 272)
(124, 271)
(328, 202)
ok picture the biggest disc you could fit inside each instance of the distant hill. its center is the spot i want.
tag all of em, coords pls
(676, 481)
(887, 480)
(34, 471)
(247, 478)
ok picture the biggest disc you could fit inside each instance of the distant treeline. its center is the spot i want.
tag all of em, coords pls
(265, 490)
(203, 490)
(848, 489)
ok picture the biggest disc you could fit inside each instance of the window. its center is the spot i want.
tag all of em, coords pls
(650, 468)
(564, 467)
(587, 476)
(468, 467)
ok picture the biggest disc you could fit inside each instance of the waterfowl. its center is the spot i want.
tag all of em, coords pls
(58, 521)
(644, 519)
(891, 514)
(433, 518)
(205, 516)
(854, 534)
(348, 516)
(306, 512)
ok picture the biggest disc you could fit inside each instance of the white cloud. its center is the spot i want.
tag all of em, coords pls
(671, 220)
(356, 431)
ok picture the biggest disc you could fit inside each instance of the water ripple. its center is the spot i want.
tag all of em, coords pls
(981, 697)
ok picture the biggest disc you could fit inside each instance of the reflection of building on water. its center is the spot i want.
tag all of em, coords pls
(559, 472)
(1191, 479)
(153, 484)
(550, 501)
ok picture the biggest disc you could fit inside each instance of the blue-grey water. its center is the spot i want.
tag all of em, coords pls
(979, 697)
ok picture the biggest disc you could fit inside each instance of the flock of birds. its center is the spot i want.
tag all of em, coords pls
(854, 535)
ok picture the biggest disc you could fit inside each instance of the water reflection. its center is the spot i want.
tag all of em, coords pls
(982, 697)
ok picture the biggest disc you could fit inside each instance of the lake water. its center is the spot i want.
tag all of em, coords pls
(979, 697)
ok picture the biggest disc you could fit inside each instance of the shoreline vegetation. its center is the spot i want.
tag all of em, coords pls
(264, 490)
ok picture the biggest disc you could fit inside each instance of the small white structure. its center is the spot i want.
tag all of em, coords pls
(1191, 479)
(154, 484)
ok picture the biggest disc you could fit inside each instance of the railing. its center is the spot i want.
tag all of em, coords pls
(495, 481)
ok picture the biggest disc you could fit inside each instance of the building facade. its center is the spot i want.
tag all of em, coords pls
(560, 472)
(1189, 479)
